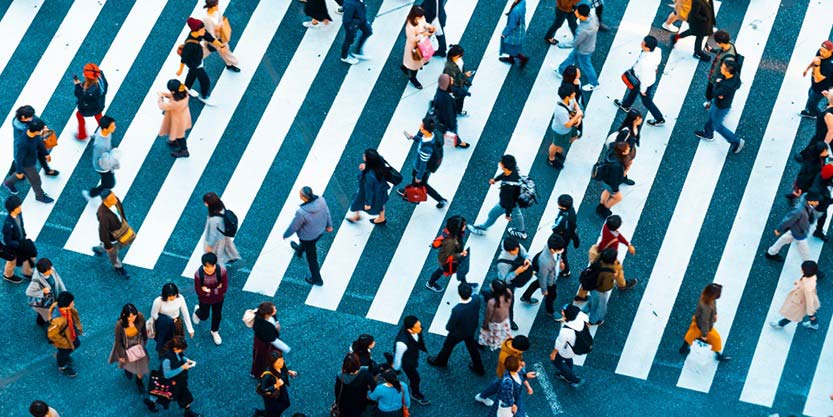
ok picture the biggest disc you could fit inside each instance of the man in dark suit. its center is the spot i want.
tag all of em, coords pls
(461, 327)
(435, 9)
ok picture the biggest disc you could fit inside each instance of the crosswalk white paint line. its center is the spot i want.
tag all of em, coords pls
(819, 402)
(349, 243)
(773, 346)
(138, 139)
(173, 196)
(49, 70)
(273, 126)
(16, 21)
(116, 64)
(414, 246)
(690, 212)
(329, 144)
(761, 189)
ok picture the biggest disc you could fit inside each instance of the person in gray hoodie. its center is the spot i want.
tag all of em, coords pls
(311, 221)
(794, 228)
(103, 159)
(584, 44)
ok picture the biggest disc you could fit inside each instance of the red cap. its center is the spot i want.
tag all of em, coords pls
(827, 171)
(91, 71)
(827, 45)
(195, 24)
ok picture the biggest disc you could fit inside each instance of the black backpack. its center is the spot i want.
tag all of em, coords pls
(589, 278)
(436, 158)
(535, 261)
(392, 176)
(584, 341)
(229, 223)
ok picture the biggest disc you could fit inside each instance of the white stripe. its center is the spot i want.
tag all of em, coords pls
(677, 247)
(329, 144)
(115, 65)
(819, 401)
(273, 126)
(186, 172)
(349, 243)
(415, 243)
(56, 57)
(138, 139)
(16, 21)
(546, 387)
(762, 187)
(773, 346)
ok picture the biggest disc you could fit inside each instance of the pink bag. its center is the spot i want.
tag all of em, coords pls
(426, 48)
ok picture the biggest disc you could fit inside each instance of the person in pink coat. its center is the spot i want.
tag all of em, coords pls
(802, 300)
(177, 120)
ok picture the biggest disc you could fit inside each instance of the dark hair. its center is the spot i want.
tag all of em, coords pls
(173, 86)
(508, 162)
(583, 10)
(350, 363)
(209, 258)
(499, 291)
(36, 125)
(454, 224)
(410, 321)
(515, 3)
(619, 150)
(374, 162)
(512, 363)
(721, 36)
(608, 255)
(38, 408)
(568, 77)
(415, 13)
(12, 202)
(455, 50)
(65, 298)
(555, 242)
(809, 268)
(570, 311)
(711, 292)
(24, 111)
(215, 205)
(566, 90)
(520, 342)
(650, 42)
(565, 200)
(169, 290)
(361, 346)
(126, 311)
(464, 290)
(265, 309)
(731, 66)
(389, 376)
(614, 222)
(275, 355)
(105, 122)
(630, 118)
(510, 243)
(428, 124)
(44, 265)
(178, 342)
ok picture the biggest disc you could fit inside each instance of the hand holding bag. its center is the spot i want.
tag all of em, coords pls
(426, 49)
(701, 353)
(630, 79)
(50, 139)
(135, 353)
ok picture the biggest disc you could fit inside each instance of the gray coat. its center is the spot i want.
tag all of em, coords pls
(585, 40)
(101, 146)
(549, 266)
(311, 219)
(505, 272)
(797, 221)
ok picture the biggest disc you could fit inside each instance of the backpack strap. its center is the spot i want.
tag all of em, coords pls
(201, 273)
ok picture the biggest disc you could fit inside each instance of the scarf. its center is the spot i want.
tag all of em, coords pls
(66, 313)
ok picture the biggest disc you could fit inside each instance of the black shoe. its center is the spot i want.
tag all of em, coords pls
(232, 68)
(404, 69)
(820, 234)
(434, 287)
(605, 28)
(513, 325)
(314, 282)
(480, 371)
(462, 145)
(382, 223)
(127, 374)
(565, 274)
(530, 301)
(654, 122)
(52, 173)
(150, 405)
(67, 371)
(703, 57)
(507, 59)
(440, 54)
(806, 114)
(183, 153)
(140, 385)
(123, 273)
(421, 400)
(628, 181)
(189, 413)
(14, 279)
(721, 357)
(416, 83)
(629, 284)
(618, 104)
(10, 188)
(578, 299)
(46, 199)
(442, 203)
(433, 362)
(777, 257)
(685, 349)
(299, 251)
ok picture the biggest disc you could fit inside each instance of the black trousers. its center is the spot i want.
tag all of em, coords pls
(428, 188)
(458, 103)
(216, 311)
(549, 300)
(560, 16)
(311, 250)
(471, 346)
(413, 378)
(63, 357)
(108, 180)
(276, 406)
(698, 41)
(202, 76)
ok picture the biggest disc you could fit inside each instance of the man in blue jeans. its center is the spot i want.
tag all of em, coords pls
(510, 190)
(724, 92)
(562, 353)
(354, 19)
(584, 44)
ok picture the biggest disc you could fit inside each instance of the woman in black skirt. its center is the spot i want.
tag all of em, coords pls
(317, 11)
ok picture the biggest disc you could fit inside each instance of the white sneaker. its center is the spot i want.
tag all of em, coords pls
(308, 24)
(589, 87)
(350, 60)
(194, 318)
(775, 324)
(670, 28)
(86, 195)
(193, 93)
(810, 325)
(360, 56)
(485, 401)
(217, 339)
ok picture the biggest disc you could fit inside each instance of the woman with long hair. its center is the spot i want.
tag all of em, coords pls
(90, 97)
(352, 386)
(273, 386)
(512, 37)
(372, 194)
(177, 119)
(168, 312)
(614, 177)
(362, 347)
(416, 29)
(629, 131)
(572, 77)
(175, 366)
(496, 325)
(267, 332)
(391, 396)
(702, 323)
(215, 240)
(128, 350)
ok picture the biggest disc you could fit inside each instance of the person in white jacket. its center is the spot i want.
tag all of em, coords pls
(213, 21)
(645, 69)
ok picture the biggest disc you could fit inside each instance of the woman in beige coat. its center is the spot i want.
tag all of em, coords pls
(802, 300)
(213, 21)
(415, 30)
(177, 120)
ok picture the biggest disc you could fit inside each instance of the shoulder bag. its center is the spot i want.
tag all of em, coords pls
(224, 31)
(50, 139)
(630, 79)
(125, 234)
(135, 352)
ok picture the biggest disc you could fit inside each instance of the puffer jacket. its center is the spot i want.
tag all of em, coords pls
(57, 332)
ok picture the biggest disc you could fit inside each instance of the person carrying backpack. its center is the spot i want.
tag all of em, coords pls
(514, 267)
(64, 329)
(547, 265)
(452, 258)
(510, 191)
(429, 156)
(90, 96)
(210, 284)
(611, 173)
(604, 271)
(564, 226)
(311, 221)
(218, 232)
(573, 339)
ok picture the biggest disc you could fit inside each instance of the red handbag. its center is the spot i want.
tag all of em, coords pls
(416, 193)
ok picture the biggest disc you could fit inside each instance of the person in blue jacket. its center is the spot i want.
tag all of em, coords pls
(372, 194)
(354, 19)
(512, 37)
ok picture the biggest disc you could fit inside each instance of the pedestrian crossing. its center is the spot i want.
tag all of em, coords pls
(410, 253)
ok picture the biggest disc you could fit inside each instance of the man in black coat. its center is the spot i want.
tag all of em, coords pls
(435, 9)
(564, 225)
(445, 110)
(461, 327)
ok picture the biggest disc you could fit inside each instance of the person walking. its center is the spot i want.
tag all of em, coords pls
(175, 366)
(510, 390)
(725, 52)
(823, 187)
(610, 238)
(428, 159)
(177, 119)
(681, 10)
(64, 328)
(609, 271)
(583, 45)
(215, 23)
(613, 177)
(90, 97)
(802, 301)
(363, 347)
(27, 150)
(513, 34)
(700, 24)
(821, 68)
(42, 290)
(813, 158)
(193, 54)
(514, 267)
(210, 284)
(460, 77)
(824, 122)
(702, 323)
(16, 242)
(445, 109)
(111, 217)
(354, 19)
(564, 10)
(273, 386)
(435, 15)
(20, 124)
(216, 240)
(105, 158)
(574, 322)
(496, 324)
(316, 10)
(550, 263)
(129, 349)
(392, 396)
(352, 386)
(372, 194)
(171, 304)
(266, 338)
(407, 345)
(461, 326)
(511, 347)
(39, 408)
(565, 226)
(451, 257)
(311, 220)
(724, 94)
(794, 228)
(645, 69)
(566, 119)
(510, 191)
(628, 132)
(416, 29)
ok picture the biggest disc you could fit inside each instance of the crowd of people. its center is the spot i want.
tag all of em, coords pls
(362, 383)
